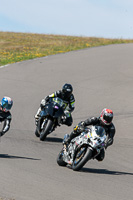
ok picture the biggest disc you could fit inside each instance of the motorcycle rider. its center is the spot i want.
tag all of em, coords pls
(105, 120)
(5, 115)
(67, 96)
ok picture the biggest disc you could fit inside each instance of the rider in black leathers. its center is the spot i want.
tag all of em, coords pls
(5, 115)
(66, 95)
(105, 120)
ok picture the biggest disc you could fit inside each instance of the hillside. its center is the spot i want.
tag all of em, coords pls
(16, 47)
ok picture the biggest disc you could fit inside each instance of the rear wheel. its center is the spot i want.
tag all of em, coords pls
(46, 129)
(60, 160)
(82, 156)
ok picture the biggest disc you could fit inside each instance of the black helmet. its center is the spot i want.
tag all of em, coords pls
(67, 90)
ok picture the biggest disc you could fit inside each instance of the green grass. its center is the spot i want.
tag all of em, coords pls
(16, 47)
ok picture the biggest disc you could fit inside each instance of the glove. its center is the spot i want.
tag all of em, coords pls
(75, 128)
(82, 124)
(79, 128)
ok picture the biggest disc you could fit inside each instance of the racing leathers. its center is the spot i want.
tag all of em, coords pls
(5, 117)
(69, 101)
(109, 129)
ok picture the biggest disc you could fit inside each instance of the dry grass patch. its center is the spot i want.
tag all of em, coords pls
(16, 47)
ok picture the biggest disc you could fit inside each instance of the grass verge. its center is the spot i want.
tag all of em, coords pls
(16, 47)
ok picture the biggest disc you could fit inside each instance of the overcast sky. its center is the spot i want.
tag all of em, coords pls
(92, 18)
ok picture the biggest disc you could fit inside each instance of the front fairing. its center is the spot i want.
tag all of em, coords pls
(96, 141)
(53, 110)
(91, 138)
(43, 113)
(48, 110)
(57, 111)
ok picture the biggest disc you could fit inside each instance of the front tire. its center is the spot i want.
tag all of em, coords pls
(36, 133)
(60, 160)
(46, 130)
(81, 158)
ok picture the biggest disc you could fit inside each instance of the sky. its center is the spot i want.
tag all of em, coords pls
(91, 18)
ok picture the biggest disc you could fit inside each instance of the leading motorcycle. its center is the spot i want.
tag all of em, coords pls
(82, 148)
(50, 117)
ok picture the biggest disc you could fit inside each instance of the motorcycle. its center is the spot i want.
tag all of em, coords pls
(82, 148)
(50, 117)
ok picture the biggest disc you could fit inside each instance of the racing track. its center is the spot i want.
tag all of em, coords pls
(101, 77)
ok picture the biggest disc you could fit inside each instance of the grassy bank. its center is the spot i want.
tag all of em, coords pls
(16, 47)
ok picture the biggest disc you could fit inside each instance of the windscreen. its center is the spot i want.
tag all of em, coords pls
(100, 131)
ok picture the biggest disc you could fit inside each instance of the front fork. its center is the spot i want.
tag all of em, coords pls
(43, 123)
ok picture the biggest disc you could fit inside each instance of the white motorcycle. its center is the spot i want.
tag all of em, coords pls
(82, 148)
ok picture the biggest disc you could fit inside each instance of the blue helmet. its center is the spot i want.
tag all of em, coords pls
(6, 103)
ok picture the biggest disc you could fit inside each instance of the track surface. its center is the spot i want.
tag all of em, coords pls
(101, 77)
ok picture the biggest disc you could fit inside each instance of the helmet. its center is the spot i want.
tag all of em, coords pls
(6, 104)
(67, 90)
(106, 116)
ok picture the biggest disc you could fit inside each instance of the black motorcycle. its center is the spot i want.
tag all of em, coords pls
(50, 117)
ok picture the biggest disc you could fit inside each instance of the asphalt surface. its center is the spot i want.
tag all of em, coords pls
(101, 77)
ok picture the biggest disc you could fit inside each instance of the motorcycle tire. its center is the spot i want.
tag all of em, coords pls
(60, 160)
(81, 160)
(36, 133)
(46, 130)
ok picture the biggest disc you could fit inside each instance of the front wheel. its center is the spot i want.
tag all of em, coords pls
(60, 160)
(46, 129)
(36, 133)
(81, 158)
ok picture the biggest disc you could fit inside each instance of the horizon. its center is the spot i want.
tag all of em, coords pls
(69, 17)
